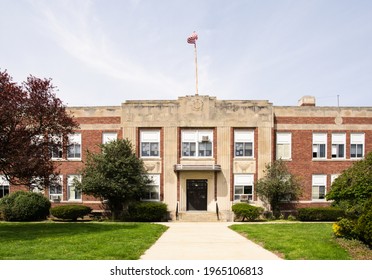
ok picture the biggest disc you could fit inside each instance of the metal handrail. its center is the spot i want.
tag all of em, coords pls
(177, 211)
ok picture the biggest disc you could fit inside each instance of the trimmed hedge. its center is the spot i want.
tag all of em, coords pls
(24, 206)
(320, 214)
(147, 211)
(70, 212)
(246, 211)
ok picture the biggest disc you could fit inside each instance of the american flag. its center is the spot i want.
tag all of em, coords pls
(192, 39)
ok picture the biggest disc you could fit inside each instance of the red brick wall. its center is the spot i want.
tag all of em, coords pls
(303, 165)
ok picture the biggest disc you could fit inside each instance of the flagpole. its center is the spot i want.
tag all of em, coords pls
(192, 40)
(196, 69)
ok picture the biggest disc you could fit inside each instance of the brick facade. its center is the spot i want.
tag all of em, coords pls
(171, 117)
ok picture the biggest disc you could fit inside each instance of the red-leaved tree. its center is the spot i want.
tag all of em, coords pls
(30, 115)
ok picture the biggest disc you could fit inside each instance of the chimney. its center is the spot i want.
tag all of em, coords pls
(307, 100)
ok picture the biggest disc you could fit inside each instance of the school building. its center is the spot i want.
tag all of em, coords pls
(205, 154)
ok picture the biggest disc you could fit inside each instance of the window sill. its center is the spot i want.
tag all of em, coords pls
(142, 157)
(73, 159)
(194, 158)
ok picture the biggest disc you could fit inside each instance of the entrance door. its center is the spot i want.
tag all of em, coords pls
(196, 194)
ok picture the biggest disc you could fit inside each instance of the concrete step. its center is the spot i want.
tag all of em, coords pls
(198, 216)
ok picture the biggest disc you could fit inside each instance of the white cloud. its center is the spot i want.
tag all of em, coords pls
(79, 32)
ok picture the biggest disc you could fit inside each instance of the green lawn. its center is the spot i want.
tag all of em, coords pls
(296, 241)
(76, 241)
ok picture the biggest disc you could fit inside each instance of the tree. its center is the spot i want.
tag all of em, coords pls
(116, 176)
(352, 191)
(353, 187)
(278, 186)
(30, 114)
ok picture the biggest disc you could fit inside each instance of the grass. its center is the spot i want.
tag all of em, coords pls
(76, 241)
(302, 241)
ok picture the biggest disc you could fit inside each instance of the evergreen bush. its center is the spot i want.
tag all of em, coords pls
(70, 212)
(320, 214)
(364, 224)
(147, 211)
(246, 211)
(345, 228)
(24, 206)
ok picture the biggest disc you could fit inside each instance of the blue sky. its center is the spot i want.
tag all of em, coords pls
(103, 52)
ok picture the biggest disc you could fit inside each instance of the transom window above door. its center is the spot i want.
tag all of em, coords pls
(197, 143)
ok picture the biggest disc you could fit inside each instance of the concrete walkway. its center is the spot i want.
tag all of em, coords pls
(205, 241)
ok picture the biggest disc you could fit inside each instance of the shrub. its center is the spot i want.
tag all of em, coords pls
(320, 214)
(291, 218)
(24, 206)
(364, 224)
(147, 211)
(246, 211)
(70, 212)
(344, 228)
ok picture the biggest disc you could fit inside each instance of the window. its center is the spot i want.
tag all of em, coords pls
(338, 145)
(72, 193)
(283, 145)
(74, 148)
(197, 143)
(154, 192)
(243, 187)
(108, 137)
(319, 145)
(37, 184)
(55, 189)
(150, 143)
(356, 145)
(55, 147)
(4, 186)
(319, 187)
(243, 143)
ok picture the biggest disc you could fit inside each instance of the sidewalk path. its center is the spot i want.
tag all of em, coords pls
(205, 241)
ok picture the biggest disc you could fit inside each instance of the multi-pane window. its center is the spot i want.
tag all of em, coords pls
(154, 191)
(55, 147)
(74, 148)
(356, 145)
(243, 142)
(319, 145)
(197, 143)
(338, 145)
(150, 143)
(243, 187)
(72, 192)
(37, 184)
(319, 187)
(4, 186)
(283, 145)
(108, 137)
(55, 189)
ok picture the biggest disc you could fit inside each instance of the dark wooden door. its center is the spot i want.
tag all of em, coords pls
(196, 194)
